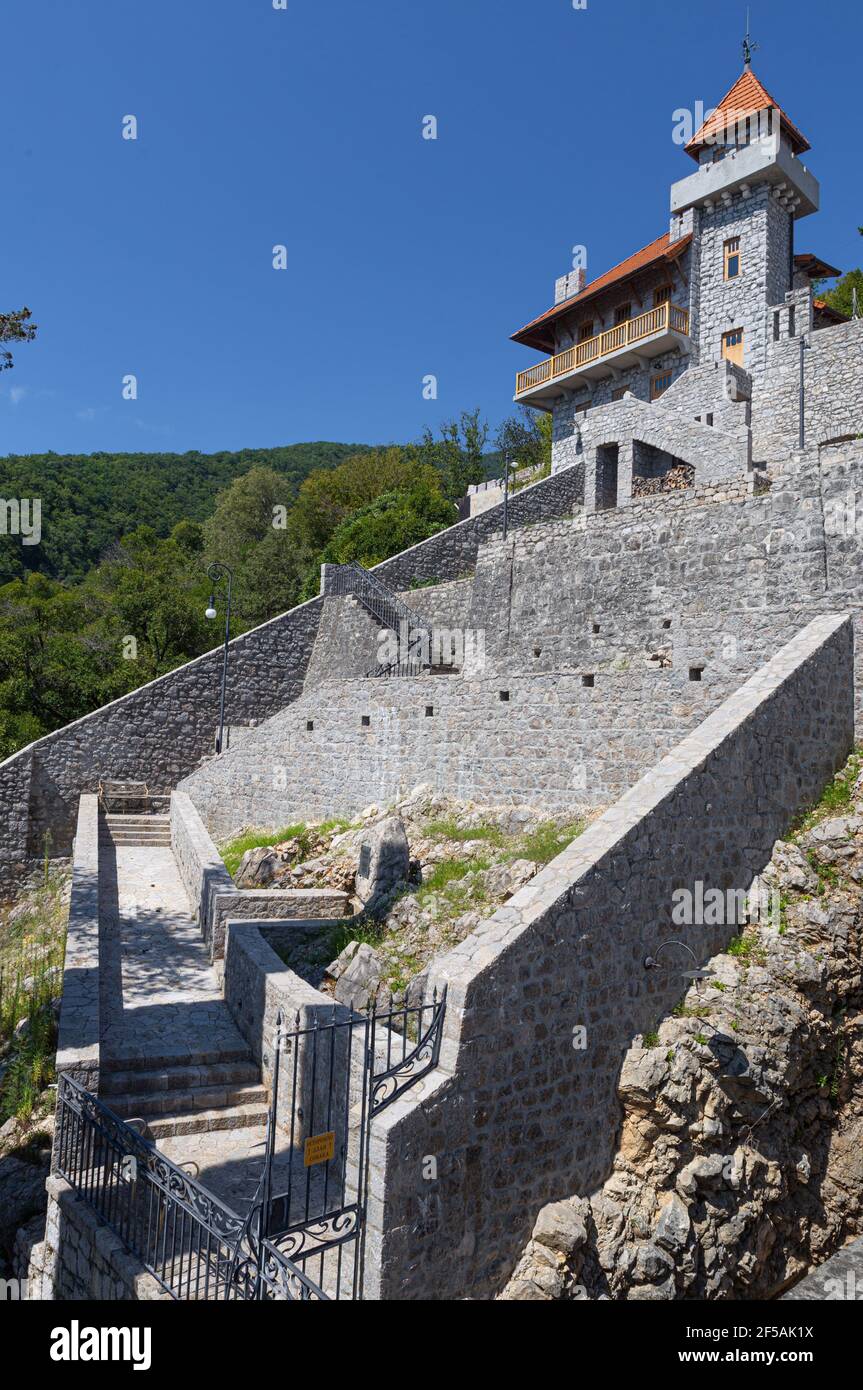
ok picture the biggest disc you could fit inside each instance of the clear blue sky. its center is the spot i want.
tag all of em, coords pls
(405, 257)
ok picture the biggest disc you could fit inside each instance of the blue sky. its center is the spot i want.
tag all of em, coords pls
(405, 257)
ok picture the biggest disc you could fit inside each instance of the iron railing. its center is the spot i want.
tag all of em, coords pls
(181, 1233)
(340, 1072)
(387, 609)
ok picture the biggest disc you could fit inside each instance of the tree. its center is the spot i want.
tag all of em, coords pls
(526, 438)
(15, 328)
(391, 523)
(841, 297)
(459, 454)
(327, 498)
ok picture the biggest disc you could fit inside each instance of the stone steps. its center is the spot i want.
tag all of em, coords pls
(206, 1121)
(167, 1061)
(135, 830)
(131, 1082)
(193, 1102)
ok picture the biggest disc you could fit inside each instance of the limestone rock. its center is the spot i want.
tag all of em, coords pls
(560, 1226)
(257, 867)
(358, 977)
(384, 862)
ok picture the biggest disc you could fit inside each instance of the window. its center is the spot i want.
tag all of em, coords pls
(732, 346)
(622, 313)
(659, 384)
(732, 258)
(661, 296)
(585, 331)
(619, 392)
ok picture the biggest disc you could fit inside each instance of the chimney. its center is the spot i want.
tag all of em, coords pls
(569, 285)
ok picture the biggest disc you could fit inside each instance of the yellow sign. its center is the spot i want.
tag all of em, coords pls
(319, 1148)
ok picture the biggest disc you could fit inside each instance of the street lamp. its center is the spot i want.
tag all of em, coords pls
(217, 572)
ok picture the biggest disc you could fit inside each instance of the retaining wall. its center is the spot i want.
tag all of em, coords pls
(214, 896)
(519, 1113)
(78, 1047)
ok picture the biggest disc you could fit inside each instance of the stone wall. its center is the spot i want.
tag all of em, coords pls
(259, 989)
(215, 898)
(157, 734)
(81, 1260)
(552, 742)
(522, 1109)
(664, 609)
(78, 1036)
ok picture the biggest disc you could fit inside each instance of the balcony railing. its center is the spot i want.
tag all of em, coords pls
(664, 318)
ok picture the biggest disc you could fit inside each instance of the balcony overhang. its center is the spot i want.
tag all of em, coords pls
(666, 330)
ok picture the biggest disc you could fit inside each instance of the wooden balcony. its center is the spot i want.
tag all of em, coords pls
(649, 335)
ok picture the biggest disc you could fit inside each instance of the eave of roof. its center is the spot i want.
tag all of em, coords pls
(537, 332)
(814, 267)
(747, 96)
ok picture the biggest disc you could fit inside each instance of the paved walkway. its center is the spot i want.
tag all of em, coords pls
(161, 1001)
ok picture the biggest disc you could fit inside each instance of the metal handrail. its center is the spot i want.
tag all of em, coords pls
(180, 1231)
(385, 607)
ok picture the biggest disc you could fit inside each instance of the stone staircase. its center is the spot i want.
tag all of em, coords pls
(134, 830)
(213, 1092)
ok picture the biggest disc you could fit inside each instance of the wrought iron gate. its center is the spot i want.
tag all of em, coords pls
(333, 1072)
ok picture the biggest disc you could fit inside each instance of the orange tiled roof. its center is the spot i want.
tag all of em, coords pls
(827, 310)
(537, 333)
(747, 96)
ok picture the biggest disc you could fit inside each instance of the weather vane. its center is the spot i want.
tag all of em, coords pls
(748, 46)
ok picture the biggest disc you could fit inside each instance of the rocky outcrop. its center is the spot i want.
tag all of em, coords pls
(740, 1161)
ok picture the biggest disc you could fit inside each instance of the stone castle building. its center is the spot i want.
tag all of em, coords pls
(707, 354)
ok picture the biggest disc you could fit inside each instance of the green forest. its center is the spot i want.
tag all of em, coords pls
(114, 592)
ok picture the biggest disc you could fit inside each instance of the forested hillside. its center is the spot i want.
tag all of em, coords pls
(90, 500)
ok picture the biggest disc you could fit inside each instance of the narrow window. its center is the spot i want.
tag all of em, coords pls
(310, 724)
(791, 317)
(732, 258)
(622, 313)
(585, 331)
(618, 393)
(776, 326)
(429, 711)
(659, 384)
(365, 721)
(595, 628)
(709, 419)
(661, 296)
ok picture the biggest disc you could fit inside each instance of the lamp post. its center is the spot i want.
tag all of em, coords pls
(216, 572)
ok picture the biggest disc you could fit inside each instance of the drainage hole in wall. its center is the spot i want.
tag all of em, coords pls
(695, 673)
(310, 724)
(587, 680)
(666, 622)
(366, 721)
(504, 695)
(595, 628)
(429, 711)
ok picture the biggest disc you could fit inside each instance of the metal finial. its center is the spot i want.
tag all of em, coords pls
(748, 46)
